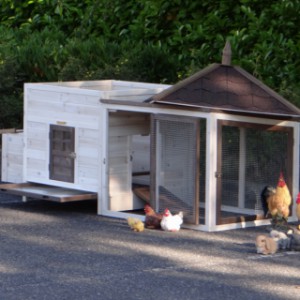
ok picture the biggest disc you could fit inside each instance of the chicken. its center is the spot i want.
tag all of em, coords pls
(279, 202)
(135, 224)
(277, 207)
(171, 222)
(265, 245)
(283, 192)
(152, 219)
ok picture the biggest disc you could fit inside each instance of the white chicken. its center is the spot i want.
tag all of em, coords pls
(171, 222)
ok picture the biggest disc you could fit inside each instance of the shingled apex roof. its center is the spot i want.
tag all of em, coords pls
(226, 88)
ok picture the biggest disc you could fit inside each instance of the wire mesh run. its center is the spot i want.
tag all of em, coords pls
(251, 159)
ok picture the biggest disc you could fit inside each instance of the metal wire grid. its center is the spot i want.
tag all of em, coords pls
(251, 159)
(202, 170)
(175, 165)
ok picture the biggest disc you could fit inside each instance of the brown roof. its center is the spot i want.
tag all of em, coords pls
(229, 88)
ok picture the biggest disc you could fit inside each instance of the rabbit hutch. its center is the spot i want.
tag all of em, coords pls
(206, 146)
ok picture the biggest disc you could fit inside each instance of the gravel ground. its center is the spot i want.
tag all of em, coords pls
(65, 251)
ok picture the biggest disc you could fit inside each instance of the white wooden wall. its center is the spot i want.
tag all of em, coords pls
(77, 104)
(45, 105)
(12, 157)
(120, 192)
(141, 153)
(123, 128)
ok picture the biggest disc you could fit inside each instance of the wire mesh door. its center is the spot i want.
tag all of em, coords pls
(250, 157)
(174, 163)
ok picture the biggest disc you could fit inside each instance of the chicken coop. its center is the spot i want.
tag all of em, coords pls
(206, 146)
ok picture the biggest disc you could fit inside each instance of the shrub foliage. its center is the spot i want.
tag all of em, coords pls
(152, 41)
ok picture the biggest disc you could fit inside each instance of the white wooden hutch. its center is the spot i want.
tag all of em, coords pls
(206, 146)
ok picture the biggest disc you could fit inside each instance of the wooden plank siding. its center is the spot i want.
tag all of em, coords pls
(46, 106)
(127, 123)
(37, 145)
(12, 157)
(141, 154)
(120, 193)
(123, 126)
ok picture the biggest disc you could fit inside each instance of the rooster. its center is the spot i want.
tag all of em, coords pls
(279, 201)
(171, 222)
(152, 219)
(283, 192)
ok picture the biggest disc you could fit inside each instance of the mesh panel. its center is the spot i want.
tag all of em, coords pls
(251, 159)
(266, 157)
(230, 165)
(202, 170)
(176, 166)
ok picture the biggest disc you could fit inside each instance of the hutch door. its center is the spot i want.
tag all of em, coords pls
(174, 165)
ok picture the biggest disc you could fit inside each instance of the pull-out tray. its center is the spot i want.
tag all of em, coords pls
(46, 192)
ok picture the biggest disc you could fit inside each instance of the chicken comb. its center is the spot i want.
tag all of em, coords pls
(298, 198)
(281, 182)
(167, 212)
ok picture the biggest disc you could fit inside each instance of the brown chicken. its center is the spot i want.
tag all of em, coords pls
(280, 201)
(153, 219)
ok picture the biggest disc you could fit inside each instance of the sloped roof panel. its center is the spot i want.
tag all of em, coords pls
(226, 87)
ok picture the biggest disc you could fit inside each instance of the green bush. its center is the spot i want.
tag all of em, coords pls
(149, 63)
(154, 41)
(90, 59)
